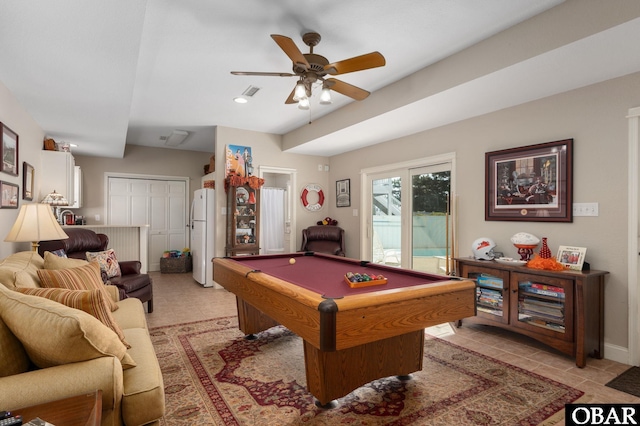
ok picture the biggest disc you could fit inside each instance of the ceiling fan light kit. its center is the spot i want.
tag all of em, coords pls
(311, 68)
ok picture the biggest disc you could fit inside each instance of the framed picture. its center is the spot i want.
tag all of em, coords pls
(571, 257)
(238, 161)
(532, 183)
(9, 151)
(28, 179)
(9, 192)
(343, 193)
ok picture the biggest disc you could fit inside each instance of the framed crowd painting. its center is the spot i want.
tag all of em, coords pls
(531, 183)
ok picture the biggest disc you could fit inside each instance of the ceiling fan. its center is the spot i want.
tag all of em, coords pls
(311, 68)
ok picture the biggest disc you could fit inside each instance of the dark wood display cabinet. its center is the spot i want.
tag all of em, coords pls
(243, 220)
(562, 309)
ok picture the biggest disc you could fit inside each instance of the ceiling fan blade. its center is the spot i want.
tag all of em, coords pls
(292, 51)
(268, 74)
(347, 89)
(290, 98)
(358, 63)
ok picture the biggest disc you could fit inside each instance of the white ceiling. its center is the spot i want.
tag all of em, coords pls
(102, 74)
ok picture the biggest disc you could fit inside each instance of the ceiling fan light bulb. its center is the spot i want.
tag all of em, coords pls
(325, 96)
(300, 92)
(303, 103)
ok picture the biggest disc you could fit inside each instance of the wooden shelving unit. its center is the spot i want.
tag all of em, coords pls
(563, 309)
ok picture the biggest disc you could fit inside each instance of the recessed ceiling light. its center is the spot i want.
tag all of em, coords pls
(240, 100)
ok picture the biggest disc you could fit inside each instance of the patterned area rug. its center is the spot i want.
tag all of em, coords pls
(213, 376)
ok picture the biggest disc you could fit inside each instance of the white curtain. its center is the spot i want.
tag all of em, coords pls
(272, 219)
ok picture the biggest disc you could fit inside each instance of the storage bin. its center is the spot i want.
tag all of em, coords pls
(176, 265)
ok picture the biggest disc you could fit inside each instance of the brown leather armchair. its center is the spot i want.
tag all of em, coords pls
(323, 239)
(131, 283)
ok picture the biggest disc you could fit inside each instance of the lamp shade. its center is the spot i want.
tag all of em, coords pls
(55, 199)
(35, 222)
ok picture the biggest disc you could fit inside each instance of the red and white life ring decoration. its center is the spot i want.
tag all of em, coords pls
(312, 206)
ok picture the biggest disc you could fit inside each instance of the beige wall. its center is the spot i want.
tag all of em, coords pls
(30, 137)
(266, 150)
(593, 116)
(137, 160)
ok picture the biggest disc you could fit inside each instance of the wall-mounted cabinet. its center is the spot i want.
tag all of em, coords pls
(563, 309)
(58, 172)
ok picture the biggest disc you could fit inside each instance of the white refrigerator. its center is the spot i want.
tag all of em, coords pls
(203, 236)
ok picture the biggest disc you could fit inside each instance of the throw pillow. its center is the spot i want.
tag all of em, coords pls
(20, 269)
(90, 301)
(60, 253)
(51, 261)
(107, 261)
(70, 335)
(14, 358)
(80, 278)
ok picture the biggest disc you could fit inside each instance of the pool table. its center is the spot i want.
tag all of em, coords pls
(351, 336)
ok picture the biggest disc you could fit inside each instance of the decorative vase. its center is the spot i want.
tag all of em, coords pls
(545, 253)
(252, 198)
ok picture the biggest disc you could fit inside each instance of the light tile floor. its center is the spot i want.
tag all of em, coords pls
(179, 299)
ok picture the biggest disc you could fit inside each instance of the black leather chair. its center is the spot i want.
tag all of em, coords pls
(323, 239)
(131, 283)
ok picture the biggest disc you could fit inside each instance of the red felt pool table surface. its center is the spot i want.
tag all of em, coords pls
(325, 274)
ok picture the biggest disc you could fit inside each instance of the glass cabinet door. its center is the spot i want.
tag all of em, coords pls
(492, 292)
(543, 304)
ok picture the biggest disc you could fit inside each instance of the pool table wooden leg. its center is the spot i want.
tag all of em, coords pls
(252, 320)
(332, 375)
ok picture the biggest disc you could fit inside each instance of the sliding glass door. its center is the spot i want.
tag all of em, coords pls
(408, 222)
(430, 219)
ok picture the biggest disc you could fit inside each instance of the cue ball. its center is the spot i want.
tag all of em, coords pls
(292, 261)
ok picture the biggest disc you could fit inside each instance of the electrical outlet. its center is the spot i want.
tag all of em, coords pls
(97, 217)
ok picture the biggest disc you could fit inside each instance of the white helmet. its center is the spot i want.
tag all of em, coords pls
(483, 248)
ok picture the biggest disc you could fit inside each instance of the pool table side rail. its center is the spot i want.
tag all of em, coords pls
(292, 306)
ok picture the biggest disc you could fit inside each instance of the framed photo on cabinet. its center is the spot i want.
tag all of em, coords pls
(9, 151)
(531, 183)
(572, 257)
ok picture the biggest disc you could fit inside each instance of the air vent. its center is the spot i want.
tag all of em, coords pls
(251, 91)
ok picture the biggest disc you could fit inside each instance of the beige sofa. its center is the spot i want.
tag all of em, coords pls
(49, 351)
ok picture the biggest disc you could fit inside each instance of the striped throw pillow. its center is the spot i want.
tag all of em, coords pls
(81, 278)
(92, 302)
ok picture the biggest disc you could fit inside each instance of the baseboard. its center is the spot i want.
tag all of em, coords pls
(616, 353)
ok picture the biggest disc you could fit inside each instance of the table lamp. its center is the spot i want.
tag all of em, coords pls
(35, 223)
(56, 201)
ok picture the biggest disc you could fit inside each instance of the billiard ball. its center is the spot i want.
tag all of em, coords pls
(292, 261)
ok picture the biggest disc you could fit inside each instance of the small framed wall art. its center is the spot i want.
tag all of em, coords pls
(531, 183)
(9, 151)
(9, 193)
(343, 193)
(571, 257)
(28, 179)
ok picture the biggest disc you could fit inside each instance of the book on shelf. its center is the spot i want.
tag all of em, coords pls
(489, 281)
(488, 310)
(535, 288)
(547, 287)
